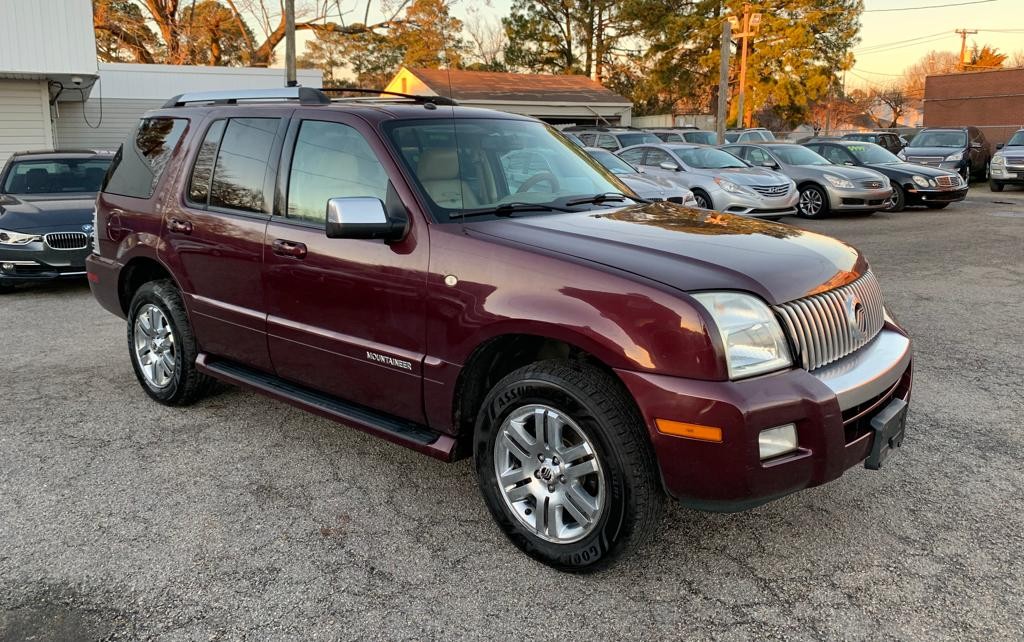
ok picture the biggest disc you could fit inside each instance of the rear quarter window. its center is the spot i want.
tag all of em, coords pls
(142, 159)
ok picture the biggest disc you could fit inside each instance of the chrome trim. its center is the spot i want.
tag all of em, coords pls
(870, 371)
(21, 262)
(80, 238)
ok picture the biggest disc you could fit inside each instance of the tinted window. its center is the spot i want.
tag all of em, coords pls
(141, 160)
(702, 138)
(607, 142)
(331, 160)
(951, 139)
(656, 157)
(56, 176)
(637, 139)
(834, 154)
(241, 164)
(633, 156)
(202, 171)
(588, 139)
(797, 155)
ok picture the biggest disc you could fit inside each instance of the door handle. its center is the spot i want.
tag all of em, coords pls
(294, 249)
(178, 225)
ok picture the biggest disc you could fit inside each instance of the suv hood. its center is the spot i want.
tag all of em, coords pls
(691, 249)
(46, 213)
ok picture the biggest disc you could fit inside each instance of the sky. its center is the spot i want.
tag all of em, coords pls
(894, 33)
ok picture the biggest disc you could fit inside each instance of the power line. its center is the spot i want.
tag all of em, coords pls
(930, 6)
(898, 42)
(905, 46)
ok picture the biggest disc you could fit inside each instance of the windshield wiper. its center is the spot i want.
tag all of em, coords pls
(605, 197)
(507, 209)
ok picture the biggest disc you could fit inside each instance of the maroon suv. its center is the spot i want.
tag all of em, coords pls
(467, 282)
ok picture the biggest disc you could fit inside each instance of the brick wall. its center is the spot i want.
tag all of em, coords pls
(992, 100)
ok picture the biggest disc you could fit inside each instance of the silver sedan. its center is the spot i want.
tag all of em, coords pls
(654, 188)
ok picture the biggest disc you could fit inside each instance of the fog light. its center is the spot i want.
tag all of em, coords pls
(7, 267)
(777, 441)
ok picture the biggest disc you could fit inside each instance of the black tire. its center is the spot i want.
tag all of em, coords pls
(603, 411)
(816, 205)
(703, 200)
(995, 186)
(187, 385)
(899, 199)
(936, 206)
(966, 174)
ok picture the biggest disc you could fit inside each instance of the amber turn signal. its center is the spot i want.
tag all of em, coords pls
(690, 431)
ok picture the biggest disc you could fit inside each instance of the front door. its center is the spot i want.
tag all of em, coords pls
(345, 316)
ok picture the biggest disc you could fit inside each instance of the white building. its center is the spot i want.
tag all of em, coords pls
(54, 95)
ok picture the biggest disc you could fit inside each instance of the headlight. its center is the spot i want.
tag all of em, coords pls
(839, 182)
(690, 200)
(955, 157)
(921, 180)
(17, 238)
(753, 339)
(998, 159)
(900, 155)
(728, 186)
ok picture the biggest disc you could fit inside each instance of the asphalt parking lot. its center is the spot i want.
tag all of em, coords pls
(245, 518)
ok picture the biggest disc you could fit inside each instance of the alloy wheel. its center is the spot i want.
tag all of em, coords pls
(810, 202)
(549, 474)
(155, 348)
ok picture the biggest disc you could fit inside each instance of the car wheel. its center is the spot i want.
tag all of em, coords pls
(897, 201)
(703, 200)
(565, 466)
(163, 347)
(813, 202)
(965, 173)
(936, 206)
(995, 186)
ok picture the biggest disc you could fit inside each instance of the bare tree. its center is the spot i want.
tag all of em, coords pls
(889, 104)
(487, 41)
(935, 62)
(1017, 58)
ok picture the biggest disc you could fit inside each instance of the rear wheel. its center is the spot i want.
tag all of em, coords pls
(163, 347)
(813, 202)
(565, 466)
(897, 201)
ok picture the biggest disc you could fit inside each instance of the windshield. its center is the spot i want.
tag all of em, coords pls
(55, 176)
(1018, 139)
(798, 155)
(627, 140)
(701, 138)
(478, 163)
(870, 138)
(707, 158)
(871, 154)
(611, 162)
(940, 139)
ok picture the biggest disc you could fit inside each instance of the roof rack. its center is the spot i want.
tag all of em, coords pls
(305, 96)
(443, 101)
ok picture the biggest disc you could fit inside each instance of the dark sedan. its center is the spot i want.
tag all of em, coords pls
(46, 214)
(911, 184)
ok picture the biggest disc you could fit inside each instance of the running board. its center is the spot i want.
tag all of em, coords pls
(395, 429)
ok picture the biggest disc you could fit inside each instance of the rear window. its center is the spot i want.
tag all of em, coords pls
(141, 160)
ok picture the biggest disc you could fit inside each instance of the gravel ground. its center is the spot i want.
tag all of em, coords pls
(245, 518)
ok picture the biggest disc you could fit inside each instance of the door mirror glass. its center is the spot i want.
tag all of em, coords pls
(999, 145)
(361, 217)
(669, 165)
(975, 145)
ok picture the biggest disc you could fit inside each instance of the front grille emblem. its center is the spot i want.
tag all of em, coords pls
(856, 317)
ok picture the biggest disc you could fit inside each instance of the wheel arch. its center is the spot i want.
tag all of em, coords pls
(137, 272)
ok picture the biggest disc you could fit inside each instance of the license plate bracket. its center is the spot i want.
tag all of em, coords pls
(889, 426)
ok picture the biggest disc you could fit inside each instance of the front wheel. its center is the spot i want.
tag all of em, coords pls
(813, 202)
(703, 200)
(565, 465)
(897, 201)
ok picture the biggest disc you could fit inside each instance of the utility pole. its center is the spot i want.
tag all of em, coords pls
(963, 45)
(723, 82)
(750, 25)
(289, 43)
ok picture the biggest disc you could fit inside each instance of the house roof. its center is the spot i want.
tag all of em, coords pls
(465, 85)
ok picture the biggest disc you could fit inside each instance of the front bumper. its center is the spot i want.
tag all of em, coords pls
(857, 199)
(39, 262)
(831, 407)
(756, 205)
(917, 196)
(1007, 174)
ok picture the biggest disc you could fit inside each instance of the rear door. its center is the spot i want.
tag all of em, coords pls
(214, 231)
(346, 316)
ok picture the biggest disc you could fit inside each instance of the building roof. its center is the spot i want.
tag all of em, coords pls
(469, 86)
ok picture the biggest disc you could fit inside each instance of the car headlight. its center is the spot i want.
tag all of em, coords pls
(838, 181)
(690, 200)
(17, 238)
(955, 157)
(998, 159)
(921, 180)
(753, 339)
(727, 185)
(900, 155)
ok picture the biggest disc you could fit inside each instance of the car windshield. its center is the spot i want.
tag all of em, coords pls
(627, 140)
(611, 162)
(871, 154)
(707, 158)
(701, 138)
(798, 155)
(475, 164)
(1018, 139)
(56, 175)
(870, 138)
(940, 139)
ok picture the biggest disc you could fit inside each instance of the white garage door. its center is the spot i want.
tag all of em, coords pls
(24, 117)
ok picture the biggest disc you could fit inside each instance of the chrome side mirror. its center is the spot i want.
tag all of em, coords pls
(669, 165)
(975, 145)
(361, 217)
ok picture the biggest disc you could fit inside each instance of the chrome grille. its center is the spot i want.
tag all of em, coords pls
(1015, 160)
(771, 190)
(925, 160)
(67, 240)
(871, 184)
(947, 181)
(823, 327)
